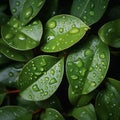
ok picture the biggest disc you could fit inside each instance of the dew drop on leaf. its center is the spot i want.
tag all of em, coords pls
(79, 63)
(74, 30)
(28, 12)
(102, 55)
(11, 74)
(17, 3)
(52, 71)
(91, 13)
(21, 37)
(43, 62)
(53, 81)
(35, 88)
(61, 30)
(88, 52)
(38, 73)
(52, 24)
(14, 10)
(74, 77)
(9, 36)
(93, 84)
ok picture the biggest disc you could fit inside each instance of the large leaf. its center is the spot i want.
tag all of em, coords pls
(84, 113)
(90, 11)
(22, 37)
(110, 33)
(51, 114)
(9, 74)
(25, 10)
(14, 113)
(87, 65)
(15, 54)
(41, 77)
(62, 31)
(108, 101)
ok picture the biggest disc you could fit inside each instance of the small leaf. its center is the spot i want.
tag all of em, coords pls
(41, 77)
(89, 11)
(25, 10)
(110, 33)
(22, 37)
(84, 113)
(51, 114)
(87, 65)
(9, 74)
(14, 113)
(14, 54)
(62, 31)
(108, 101)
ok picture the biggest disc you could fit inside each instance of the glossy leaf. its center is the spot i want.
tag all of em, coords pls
(109, 33)
(9, 74)
(15, 54)
(89, 11)
(51, 114)
(14, 113)
(41, 77)
(62, 31)
(3, 59)
(84, 113)
(25, 10)
(108, 101)
(22, 37)
(87, 65)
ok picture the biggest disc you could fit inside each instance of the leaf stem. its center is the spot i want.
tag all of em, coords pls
(13, 91)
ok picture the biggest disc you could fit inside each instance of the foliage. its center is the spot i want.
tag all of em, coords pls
(59, 60)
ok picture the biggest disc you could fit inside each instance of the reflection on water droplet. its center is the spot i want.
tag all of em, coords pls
(110, 114)
(28, 12)
(79, 63)
(76, 86)
(50, 38)
(83, 71)
(93, 84)
(35, 88)
(12, 55)
(109, 30)
(84, 17)
(74, 77)
(17, 3)
(74, 30)
(38, 73)
(53, 81)
(52, 71)
(61, 30)
(91, 13)
(9, 36)
(11, 74)
(92, 5)
(41, 91)
(43, 62)
(39, 4)
(46, 78)
(52, 24)
(42, 69)
(34, 68)
(45, 93)
(14, 10)
(90, 69)
(88, 52)
(21, 37)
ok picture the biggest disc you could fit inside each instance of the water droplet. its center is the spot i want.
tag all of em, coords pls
(102, 55)
(12, 56)
(35, 23)
(84, 17)
(35, 88)
(74, 77)
(92, 5)
(28, 12)
(74, 30)
(110, 114)
(52, 71)
(41, 91)
(61, 30)
(9, 36)
(93, 84)
(38, 73)
(11, 74)
(34, 68)
(40, 3)
(90, 69)
(17, 3)
(42, 69)
(53, 81)
(92, 13)
(21, 37)
(88, 52)
(79, 63)
(46, 78)
(56, 116)
(45, 93)
(63, 17)
(14, 10)
(43, 62)
(50, 38)
(52, 24)
(109, 30)
(83, 71)
(76, 86)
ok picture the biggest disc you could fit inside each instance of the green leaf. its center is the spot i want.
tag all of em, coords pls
(3, 59)
(15, 54)
(89, 11)
(84, 113)
(22, 37)
(62, 31)
(25, 10)
(41, 77)
(2, 93)
(14, 113)
(87, 65)
(9, 74)
(108, 101)
(51, 114)
(3, 19)
(110, 33)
